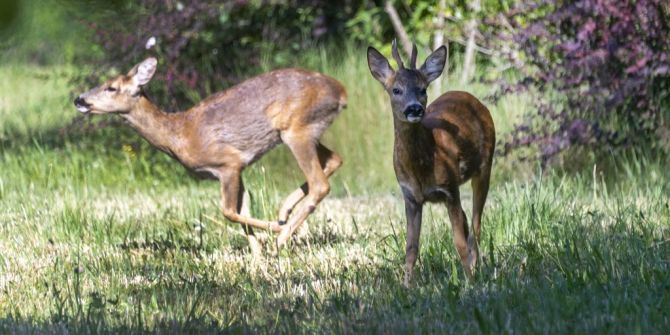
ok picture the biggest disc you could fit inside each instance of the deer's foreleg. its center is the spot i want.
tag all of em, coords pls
(243, 208)
(232, 196)
(413, 213)
(459, 228)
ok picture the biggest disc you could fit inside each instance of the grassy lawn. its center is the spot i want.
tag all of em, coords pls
(99, 233)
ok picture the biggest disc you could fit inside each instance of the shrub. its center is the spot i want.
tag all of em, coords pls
(599, 70)
(207, 45)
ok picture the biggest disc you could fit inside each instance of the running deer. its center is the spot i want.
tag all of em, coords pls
(232, 129)
(437, 148)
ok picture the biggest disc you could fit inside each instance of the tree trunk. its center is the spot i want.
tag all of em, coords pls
(438, 41)
(469, 58)
(399, 29)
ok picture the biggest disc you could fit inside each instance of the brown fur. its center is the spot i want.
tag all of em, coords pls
(453, 143)
(230, 130)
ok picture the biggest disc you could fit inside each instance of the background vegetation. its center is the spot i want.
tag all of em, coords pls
(100, 233)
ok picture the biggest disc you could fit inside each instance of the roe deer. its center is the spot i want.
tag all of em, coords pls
(231, 129)
(437, 148)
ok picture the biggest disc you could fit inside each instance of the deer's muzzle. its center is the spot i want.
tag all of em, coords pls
(82, 105)
(414, 113)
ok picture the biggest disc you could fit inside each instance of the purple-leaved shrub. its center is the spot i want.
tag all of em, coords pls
(599, 71)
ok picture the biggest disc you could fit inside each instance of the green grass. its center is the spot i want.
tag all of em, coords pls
(99, 233)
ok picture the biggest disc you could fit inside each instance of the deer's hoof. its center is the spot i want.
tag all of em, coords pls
(470, 265)
(283, 237)
(283, 215)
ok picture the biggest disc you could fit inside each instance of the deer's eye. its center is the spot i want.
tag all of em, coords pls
(110, 89)
(423, 91)
(397, 91)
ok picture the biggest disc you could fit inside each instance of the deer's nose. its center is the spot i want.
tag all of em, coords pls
(79, 102)
(414, 112)
(82, 105)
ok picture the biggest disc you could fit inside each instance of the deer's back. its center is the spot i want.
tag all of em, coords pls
(251, 116)
(463, 130)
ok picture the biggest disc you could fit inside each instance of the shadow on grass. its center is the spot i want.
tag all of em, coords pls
(194, 326)
(164, 244)
(588, 279)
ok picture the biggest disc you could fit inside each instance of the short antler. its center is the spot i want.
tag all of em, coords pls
(396, 55)
(412, 60)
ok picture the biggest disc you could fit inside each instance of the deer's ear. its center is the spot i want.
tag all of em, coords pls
(434, 64)
(144, 71)
(379, 66)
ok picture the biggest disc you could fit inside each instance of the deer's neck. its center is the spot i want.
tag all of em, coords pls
(161, 129)
(413, 136)
(413, 149)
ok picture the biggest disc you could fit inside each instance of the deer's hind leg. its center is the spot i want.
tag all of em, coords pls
(330, 161)
(413, 213)
(459, 228)
(480, 189)
(305, 150)
(243, 208)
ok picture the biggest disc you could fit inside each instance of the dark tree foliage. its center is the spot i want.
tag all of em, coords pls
(599, 70)
(206, 45)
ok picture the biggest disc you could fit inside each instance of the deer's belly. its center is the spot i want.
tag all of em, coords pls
(205, 173)
(437, 194)
(427, 193)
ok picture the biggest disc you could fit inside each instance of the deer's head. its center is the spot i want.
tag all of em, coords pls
(120, 94)
(407, 86)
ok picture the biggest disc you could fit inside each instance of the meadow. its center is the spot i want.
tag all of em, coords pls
(100, 233)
